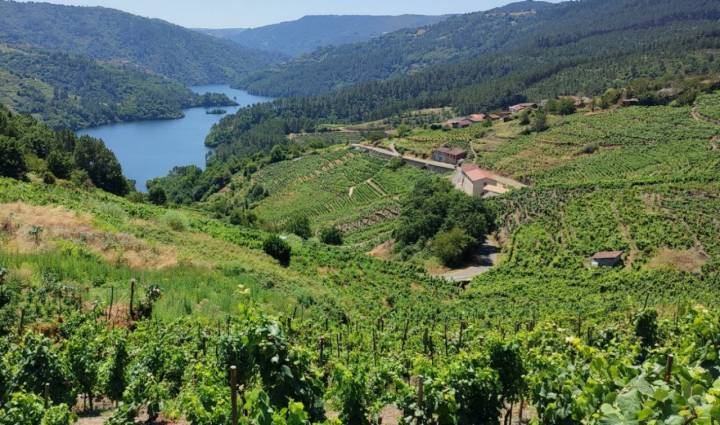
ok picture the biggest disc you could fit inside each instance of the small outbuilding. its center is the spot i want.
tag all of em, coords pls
(515, 109)
(476, 118)
(448, 155)
(607, 259)
(459, 123)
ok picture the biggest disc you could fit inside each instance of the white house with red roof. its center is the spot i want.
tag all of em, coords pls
(478, 182)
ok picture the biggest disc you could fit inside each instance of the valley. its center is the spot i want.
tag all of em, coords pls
(508, 216)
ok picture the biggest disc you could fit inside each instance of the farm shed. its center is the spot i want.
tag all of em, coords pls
(521, 107)
(448, 155)
(459, 123)
(607, 259)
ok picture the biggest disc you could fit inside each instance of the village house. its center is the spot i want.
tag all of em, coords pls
(459, 123)
(448, 155)
(516, 109)
(476, 118)
(607, 259)
(477, 182)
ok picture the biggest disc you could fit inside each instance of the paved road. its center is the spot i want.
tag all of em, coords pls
(485, 260)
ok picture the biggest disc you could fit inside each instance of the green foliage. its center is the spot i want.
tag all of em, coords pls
(646, 328)
(101, 165)
(175, 220)
(299, 225)
(157, 196)
(539, 121)
(351, 390)
(453, 246)
(28, 409)
(435, 206)
(277, 248)
(39, 363)
(12, 162)
(113, 380)
(562, 106)
(60, 164)
(331, 236)
(83, 352)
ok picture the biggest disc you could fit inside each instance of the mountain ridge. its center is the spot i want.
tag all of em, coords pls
(305, 35)
(110, 35)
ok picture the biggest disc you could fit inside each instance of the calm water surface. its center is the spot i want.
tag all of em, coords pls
(149, 149)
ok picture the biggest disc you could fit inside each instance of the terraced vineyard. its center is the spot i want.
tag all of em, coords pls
(708, 105)
(336, 187)
(421, 142)
(632, 144)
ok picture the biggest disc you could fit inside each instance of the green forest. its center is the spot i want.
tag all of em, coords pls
(73, 92)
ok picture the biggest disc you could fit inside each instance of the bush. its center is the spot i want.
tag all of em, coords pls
(278, 249)
(453, 246)
(157, 195)
(175, 220)
(61, 164)
(539, 123)
(242, 217)
(80, 178)
(331, 236)
(300, 226)
(524, 117)
(48, 177)
(12, 161)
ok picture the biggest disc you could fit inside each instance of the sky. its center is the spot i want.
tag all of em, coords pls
(254, 13)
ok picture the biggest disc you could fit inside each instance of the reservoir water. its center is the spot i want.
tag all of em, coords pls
(149, 149)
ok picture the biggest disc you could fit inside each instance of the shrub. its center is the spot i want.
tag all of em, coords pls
(278, 249)
(80, 178)
(175, 220)
(331, 236)
(453, 246)
(524, 117)
(12, 161)
(60, 163)
(157, 195)
(539, 123)
(300, 225)
(242, 217)
(48, 177)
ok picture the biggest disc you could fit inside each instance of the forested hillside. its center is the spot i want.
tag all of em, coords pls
(309, 33)
(67, 91)
(112, 36)
(544, 38)
(584, 49)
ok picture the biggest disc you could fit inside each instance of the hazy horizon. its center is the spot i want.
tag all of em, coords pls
(216, 14)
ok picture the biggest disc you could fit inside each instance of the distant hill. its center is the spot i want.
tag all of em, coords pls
(114, 36)
(570, 48)
(75, 92)
(309, 33)
(406, 51)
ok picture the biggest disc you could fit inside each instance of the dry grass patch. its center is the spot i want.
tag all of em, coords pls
(31, 228)
(691, 260)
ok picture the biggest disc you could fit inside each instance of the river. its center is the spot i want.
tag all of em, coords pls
(149, 149)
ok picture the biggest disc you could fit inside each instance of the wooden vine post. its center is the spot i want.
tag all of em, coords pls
(233, 394)
(112, 300)
(21, 323)
(46, 395)
(132, 296)
(668, 368)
